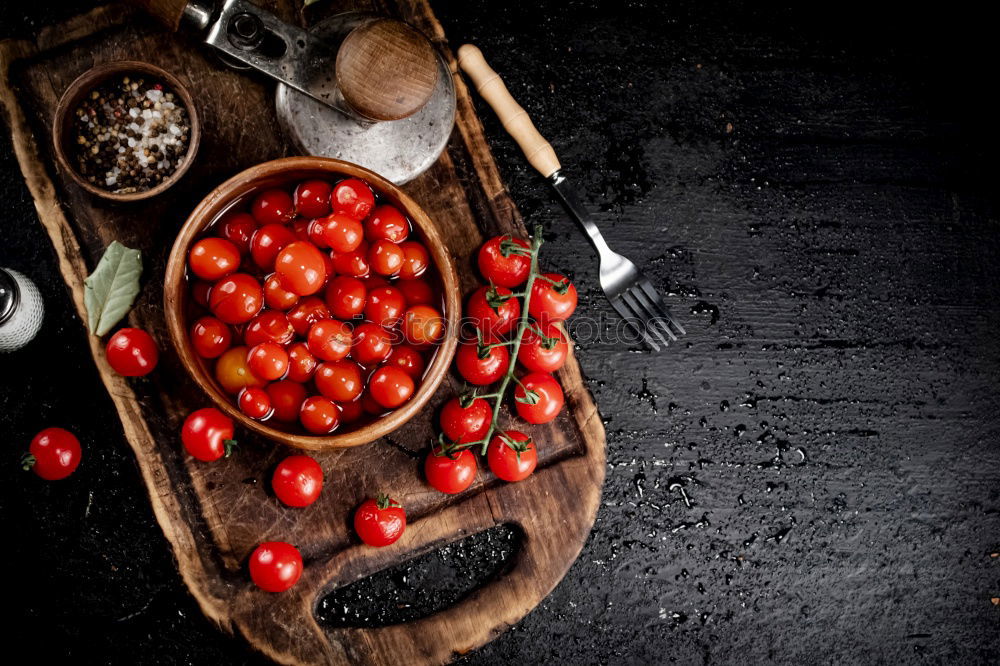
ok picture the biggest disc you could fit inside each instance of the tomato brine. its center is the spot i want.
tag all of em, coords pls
(315, 306)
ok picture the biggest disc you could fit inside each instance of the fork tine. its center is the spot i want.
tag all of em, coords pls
(623, 311)
(648, 327)
(655, 319)
(661, 307)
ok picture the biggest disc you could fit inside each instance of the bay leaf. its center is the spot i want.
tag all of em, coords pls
(111, 289)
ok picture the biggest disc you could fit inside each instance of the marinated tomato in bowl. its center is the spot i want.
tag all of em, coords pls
(316, 306)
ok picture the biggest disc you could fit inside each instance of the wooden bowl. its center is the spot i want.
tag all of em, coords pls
(87, 82)
(278, 173)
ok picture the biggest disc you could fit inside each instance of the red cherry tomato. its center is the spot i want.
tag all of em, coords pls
(300, 228)
(512, 456)
(210, 337)
(269, 326)
(267, 243)
(466, 424)
(213, 258)
(238, 229)
(301, 268)
(385, 306)
(380, 522)
(232, 371)
(309, 311)
(341, 233)
(312, 198)
(370, 406)
(416, 292)
(276, 296)
(297, 480)
(543, 353)
(481, 371)
(350, 411)
(319, 415)
(275, 566)
(199, 292)
(376, 281)
(390, 387)
(330, 339)
(450, 472)
(415, 260)
(273, 207)
(315, 233)
(422, 325)
(353, 263)
(551, 303)
(131, 352)
(54, 454)
(340, 380)
(346, 297)
(501, 263)
(286, 399)
(254, 402)
(494, 311)
(301, 363)
(385, 257)
(268, 360)
(387, 223)
(407, 359)
(353, 198)
(549, 398)
(236, 299)
(371, 344)
(208, 434)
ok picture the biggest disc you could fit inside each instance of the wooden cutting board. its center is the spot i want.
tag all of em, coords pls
(214, 515)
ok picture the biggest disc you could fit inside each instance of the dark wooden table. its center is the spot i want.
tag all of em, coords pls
(813, 476)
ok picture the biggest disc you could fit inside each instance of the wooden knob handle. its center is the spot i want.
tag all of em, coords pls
(514, 118)
(167, 12)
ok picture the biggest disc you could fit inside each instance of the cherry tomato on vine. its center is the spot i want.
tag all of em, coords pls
(481, 371)
(385, 257)
(353, 198)
(297, 480)
(254, 402)
(273, 207)
(330, 339)
(301, 362)
(340, 380)
(301, 268)
(269, 326)
(267, 243)
(380, 522)
(346, 297)
(213, 258)
(371, 344)
(54, 454)
(342, 233)
(546, 402)
(232, 371)
(501, 261)
(309, 311)
(385, 306)
(276, 296)
(422, 325)
(286, 399)
(312, 198)
(543, 353)
(512, 456)
(390, 387)
(268, 360)
(462, 425)
(494, 311)
(407, 359)
(319, 415)
(552, 302)
(131, 352)
(387, 223)
(208, 434)
(450, 472)
(235, 299)
(415, 260)
(275, 566)
(210, 337)
(238, 229)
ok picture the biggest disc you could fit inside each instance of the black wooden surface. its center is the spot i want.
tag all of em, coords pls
(817, 194)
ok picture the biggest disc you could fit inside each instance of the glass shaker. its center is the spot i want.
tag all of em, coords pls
(21, 310)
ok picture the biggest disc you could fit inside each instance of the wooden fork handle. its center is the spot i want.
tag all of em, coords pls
(514, 118)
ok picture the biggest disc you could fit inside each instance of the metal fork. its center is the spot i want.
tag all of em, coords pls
(629, 291)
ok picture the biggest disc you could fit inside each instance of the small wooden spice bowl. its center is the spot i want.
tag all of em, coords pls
(62, 125)
(279, 173)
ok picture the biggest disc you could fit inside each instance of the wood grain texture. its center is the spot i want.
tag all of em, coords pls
(214, 515)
